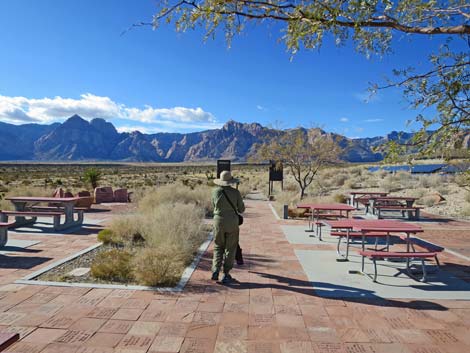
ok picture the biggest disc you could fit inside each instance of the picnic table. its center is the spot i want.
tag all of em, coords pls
(356, 196)
(382, 228)
(348, 232)
(318, 210)
(26, 206)
(394, 203)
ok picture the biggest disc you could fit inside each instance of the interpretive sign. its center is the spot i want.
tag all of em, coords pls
(222, 164)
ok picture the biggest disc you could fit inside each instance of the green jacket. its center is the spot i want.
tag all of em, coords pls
(220, 204)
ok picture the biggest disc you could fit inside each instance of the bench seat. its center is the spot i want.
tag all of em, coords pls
(401, 208)
(378, 255)
(33, 214)
(4, 232)
(54, 208)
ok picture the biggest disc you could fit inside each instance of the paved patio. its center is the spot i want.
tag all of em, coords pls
(273, 309)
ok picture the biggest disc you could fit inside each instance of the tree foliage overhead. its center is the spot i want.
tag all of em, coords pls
(371, 25)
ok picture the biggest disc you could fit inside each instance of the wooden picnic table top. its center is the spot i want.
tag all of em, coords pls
(374, 225)
(327, 206)
(42, 199)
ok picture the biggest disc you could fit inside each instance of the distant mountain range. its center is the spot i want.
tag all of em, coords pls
(78, 139)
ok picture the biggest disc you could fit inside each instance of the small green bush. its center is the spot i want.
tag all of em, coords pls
(106, 236)
(113, 265)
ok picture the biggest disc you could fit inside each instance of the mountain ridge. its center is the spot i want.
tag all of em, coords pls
(78, 139)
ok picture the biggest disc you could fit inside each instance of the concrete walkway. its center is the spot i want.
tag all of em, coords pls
(273, 309)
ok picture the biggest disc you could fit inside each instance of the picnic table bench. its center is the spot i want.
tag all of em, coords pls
(412, 212)
(380, 255)
(4, 232)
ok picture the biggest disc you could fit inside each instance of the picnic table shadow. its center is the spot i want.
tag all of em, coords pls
(342, 293)
(85, 229)
(21, 262)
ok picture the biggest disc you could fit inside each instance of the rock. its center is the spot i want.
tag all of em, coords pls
(437, 198)
(79, 271)
(104, 194)
(120, 195)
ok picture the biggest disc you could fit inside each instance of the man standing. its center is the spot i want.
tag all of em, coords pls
(228, 204)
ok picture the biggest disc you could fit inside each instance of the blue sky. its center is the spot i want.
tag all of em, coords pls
(64, 57)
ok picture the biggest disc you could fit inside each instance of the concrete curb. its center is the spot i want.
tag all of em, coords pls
(274, 211)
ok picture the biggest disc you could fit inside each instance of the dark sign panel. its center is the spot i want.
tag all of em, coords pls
(222, 164)
(276, 171)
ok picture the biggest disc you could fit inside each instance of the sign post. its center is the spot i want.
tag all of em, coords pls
(222, 164)
(276, 173)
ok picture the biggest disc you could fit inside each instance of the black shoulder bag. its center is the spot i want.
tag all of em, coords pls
(240, 217)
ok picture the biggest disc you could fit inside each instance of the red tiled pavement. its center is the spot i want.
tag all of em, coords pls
(273, 309)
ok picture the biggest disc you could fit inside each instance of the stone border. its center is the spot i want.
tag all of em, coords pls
(274, 211)
(186, 275)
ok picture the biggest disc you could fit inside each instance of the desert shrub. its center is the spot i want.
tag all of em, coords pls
(341, 198)
(465, 211)
(244, 189)
(112, 265)
(418, 193)
(158, 266)
(443, 190)
(174, 193)
(467, 196)
(430, 181)
(356, 171)
(126, 229)
(174, 224)
(390, 183)
(105, 236)
(339, 179)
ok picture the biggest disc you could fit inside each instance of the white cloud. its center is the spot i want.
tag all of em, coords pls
(344, 120)
(260, 107)
(373, 120)
(19, 110)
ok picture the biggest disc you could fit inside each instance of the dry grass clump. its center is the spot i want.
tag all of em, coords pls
(158, 266)
(430, 181)
(22, 191)
(113, 265)
(428, 201)
(465, 211)
(390, 183)
(177, 193)
(162, 239)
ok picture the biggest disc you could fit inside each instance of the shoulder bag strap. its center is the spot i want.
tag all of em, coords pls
(230, 202)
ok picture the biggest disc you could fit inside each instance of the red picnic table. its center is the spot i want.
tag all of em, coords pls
(382, 228)
(317, 211)
(354, 196)
(347, 225)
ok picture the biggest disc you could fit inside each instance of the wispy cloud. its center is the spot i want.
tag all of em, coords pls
(19, 110)
(378, 120)
(260, 107)
(344, 120)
